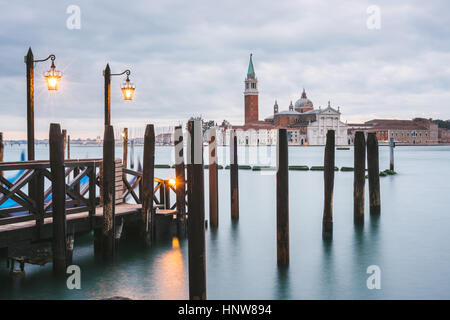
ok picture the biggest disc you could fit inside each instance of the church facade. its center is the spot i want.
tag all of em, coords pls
(305, 124)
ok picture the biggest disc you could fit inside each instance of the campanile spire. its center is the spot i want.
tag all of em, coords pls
(251, 94)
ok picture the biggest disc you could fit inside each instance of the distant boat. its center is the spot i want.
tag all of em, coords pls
(343, 148)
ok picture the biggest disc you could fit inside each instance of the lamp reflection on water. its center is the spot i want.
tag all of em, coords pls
(171, 271)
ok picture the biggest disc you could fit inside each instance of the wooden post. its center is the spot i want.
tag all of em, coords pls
(64, 135)
(148, 174)
(68, 146)
(108, 181)
(132, 153)
(180, 181)
(58, 199)
(162, 193)
(234, 170)
(39, 202)
(374, 173)
(76, 187)
(29, 60)
(328, 173)
(282, 199)
(190, 161)
(2, 149)
(359, 177)
(213, 180)
(92, 198)
(107, 76)
(196, 217)
(125, 148)
(166, 195)
(391, 153)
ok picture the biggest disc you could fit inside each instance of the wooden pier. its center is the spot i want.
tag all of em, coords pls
(30, 223)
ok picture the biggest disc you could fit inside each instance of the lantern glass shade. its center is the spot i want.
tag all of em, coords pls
(52, 77)
(128, 89)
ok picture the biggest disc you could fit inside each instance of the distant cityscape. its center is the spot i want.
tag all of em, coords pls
(305, 124)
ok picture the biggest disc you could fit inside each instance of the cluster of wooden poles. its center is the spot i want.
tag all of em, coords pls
(197, 277)
(359, 179)
(105, 240)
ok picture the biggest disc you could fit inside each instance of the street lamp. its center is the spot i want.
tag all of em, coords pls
(127, 88)
(52, 77)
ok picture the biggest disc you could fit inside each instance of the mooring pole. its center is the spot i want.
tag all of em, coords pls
(391, 153)
(213, 180)
(180, 181)
(125, 148)
(359, 177)
(374, 173)
(64, 135)
(108, 181)
(282, 199)
(234, 171)
(68, 146)
(29, 61)
(107, 76)
(148, 174)
(196, 217)
(58, 199)
(132, 153)
(189, 163)
(328, 173)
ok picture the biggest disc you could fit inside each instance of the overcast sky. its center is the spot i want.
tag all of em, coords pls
(190, 58)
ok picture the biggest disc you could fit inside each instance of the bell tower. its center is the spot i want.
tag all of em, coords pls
(251, 95)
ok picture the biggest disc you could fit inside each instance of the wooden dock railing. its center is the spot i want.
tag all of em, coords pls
(163, 186)
(38, 206)
(82, 178)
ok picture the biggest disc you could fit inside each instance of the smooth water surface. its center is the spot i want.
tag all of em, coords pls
(409, 241)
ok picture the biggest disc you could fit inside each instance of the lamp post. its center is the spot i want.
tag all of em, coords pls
(127, 88)
(52, 77)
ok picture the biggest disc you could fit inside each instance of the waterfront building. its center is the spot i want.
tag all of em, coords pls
(305, 125)
(406, 132)
(444, 135)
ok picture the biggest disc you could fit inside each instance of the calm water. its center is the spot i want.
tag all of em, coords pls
(409, 241)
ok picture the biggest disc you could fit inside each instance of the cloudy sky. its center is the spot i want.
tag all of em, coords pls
(189, 58)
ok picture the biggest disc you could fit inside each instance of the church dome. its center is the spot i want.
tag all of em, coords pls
(303, 104)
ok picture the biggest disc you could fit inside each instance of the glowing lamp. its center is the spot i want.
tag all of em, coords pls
(128, 89)
(52, 77)
(172, 182)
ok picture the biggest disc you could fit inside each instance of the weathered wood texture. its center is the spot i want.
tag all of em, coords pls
(58, 199)
(282, 199)
(29, 61)
(374, 175)
(108, 182)
(180, 180)
(196, 217)
(213, 180)
(328, 173)
(359, 177)
(234, 179)
(64, 137)
(68, 146)
(125, 148)
(147, 183)
(107, 76)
